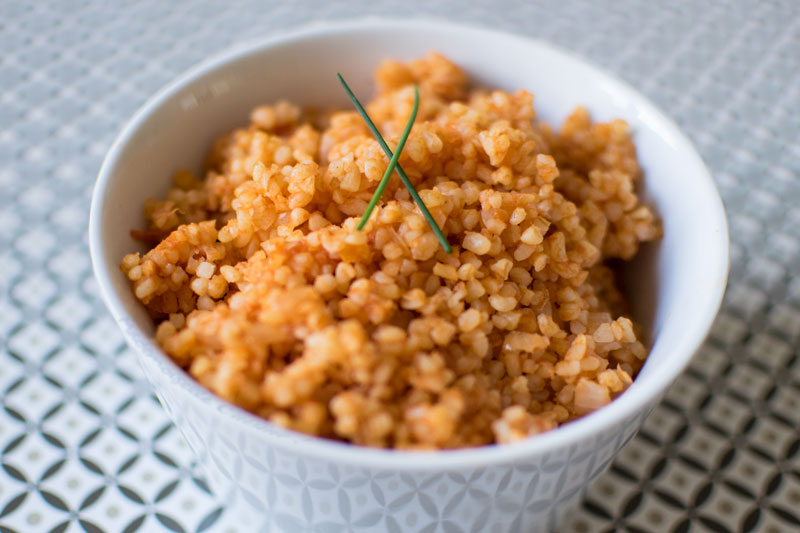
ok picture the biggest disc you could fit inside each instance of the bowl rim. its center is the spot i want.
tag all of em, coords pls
(625, 407)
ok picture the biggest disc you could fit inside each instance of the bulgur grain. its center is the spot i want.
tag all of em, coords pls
(264, 291)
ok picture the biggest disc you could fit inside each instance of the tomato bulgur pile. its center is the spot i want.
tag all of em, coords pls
(264, 291)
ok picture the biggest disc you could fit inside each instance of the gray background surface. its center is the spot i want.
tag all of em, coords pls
(84, 446)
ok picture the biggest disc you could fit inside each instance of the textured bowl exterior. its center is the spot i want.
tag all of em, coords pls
(290, 492)
(292, 482)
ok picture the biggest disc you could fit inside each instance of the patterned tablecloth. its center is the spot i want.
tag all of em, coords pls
(85, 446)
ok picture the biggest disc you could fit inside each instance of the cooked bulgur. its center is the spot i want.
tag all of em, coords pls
(265, 292)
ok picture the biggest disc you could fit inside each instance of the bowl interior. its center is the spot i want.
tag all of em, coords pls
(674, 286)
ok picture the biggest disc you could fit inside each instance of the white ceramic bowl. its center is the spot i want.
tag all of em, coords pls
(294, 481)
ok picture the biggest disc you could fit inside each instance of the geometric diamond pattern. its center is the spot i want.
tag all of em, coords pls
(70, 265)
(85, 447)
(33, 342)
(10, 317)
(34, 291)
(69, 312)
